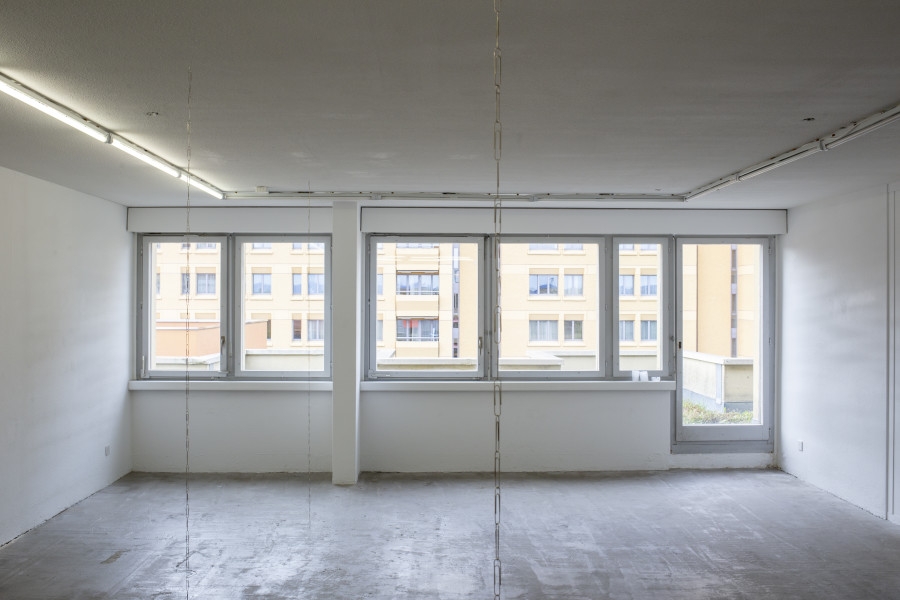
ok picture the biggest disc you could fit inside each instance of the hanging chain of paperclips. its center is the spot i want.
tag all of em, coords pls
(187, 362)
(498, 388)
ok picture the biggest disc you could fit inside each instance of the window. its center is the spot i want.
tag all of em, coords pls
(315, 329)
(316, 246)
(418, 283)
(273, 339)
(573, 247)
(180, 309)
(316, 284)
(206, 283)
(574, 285)
(573, 330)
(640, 350)
(185, 304)
(543, 330)
(262, 283)
(425, 290)
(626, 247)
(724, 349)
(648, 330)
(562, 286)
(543, 285)
(417, 330)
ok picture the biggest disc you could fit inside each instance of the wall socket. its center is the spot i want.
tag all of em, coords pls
(106, 451)
(799, 446)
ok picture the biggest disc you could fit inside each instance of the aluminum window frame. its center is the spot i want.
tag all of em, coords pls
(370, 342)
(602, 291)
(147, 298)
(731, 437)
(237, 300)
(665, 291)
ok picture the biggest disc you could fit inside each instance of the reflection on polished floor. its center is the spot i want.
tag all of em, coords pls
(660, 535)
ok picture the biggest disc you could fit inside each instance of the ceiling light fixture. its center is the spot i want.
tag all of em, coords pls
(48, 107)
(143, 155)
(73, 119)
(202, 186)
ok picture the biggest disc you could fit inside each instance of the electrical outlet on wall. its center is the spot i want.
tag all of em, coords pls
(799, 445)
(106, 451)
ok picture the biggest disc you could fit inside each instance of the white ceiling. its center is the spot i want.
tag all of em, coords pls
(631, 96)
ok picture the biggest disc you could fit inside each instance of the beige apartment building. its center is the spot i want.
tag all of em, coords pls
(282, 301)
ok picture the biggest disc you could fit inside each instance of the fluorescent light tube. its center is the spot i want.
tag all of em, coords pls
(146, 157)
(48, 108)
(202, 186)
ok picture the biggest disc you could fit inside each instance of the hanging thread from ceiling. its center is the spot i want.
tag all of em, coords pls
(187, 354)
(496, 329)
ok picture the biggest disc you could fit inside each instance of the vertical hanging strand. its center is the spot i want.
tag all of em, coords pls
(309, 372)
(187, 354)
(498, 226)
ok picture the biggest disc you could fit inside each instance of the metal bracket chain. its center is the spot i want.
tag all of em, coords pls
(498, 226)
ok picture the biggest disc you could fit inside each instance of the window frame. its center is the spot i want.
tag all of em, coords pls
(372, 243)
(230, 306)
(602, 302)
(237, 295)
(665, 289)
(148, 297)
(731, 437)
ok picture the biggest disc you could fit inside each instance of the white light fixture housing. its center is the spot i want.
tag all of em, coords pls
(76, 121)
(48, 107)
(202, 186)
(143, 155)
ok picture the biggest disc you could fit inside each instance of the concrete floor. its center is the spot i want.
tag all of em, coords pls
(662, 535)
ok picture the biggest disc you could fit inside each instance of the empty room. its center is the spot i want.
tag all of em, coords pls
(449, 299)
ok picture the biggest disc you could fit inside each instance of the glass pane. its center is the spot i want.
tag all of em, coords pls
(549, 307)
(640, 281)
(721, 331)
(427, 306)
(283, 286)
(185, 317)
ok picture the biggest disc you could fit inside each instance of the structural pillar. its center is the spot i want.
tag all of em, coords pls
(346, 269)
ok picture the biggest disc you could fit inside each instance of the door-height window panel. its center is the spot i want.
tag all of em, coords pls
(723, 319)
(540, 284)
(281, 305)
(640, 305)
(425, 301)
(182, 319)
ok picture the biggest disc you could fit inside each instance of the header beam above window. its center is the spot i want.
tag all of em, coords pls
(274, 220)
(575, 221)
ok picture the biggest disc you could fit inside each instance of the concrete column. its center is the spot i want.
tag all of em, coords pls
(346, 270)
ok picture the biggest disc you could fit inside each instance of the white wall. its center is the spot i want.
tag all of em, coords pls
(65, 325)
(232, 431)
(833, 367)
(540, 431)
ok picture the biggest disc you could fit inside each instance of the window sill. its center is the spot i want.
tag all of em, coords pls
(174, 385)
(517, 386)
